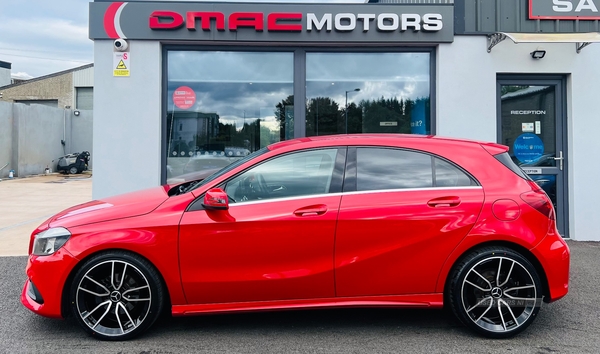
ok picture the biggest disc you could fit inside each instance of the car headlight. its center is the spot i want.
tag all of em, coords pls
(49, 241)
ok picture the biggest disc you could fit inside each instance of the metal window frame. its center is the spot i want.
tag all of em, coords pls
(560, 83)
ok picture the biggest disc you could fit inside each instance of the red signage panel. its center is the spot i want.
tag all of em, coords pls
(184, 97)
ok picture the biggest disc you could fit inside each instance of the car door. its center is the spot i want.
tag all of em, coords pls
(275, 242)
(402, 215)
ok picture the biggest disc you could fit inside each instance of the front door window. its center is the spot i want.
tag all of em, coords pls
(295, 175)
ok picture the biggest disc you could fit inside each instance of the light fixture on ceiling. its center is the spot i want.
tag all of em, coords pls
(539, 53)
(76, 113)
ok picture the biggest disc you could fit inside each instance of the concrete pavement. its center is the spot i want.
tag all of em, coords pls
(27, 202)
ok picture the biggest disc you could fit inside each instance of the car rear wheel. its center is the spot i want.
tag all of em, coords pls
(495, 291)
(116, 295)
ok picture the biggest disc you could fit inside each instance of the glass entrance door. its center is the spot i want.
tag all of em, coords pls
(532, 123)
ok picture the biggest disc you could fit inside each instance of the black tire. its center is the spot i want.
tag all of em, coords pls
(110, 306)
(73, 170)
(495, 291)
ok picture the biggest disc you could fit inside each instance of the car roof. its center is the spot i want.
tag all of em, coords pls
(366, 139)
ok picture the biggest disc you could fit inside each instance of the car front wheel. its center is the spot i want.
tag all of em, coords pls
(116, 295)
(495, 291)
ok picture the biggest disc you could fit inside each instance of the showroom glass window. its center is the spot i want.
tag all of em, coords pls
(222, 105)
(368, 93)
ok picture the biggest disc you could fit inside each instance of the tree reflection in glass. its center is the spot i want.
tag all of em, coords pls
(394, 95)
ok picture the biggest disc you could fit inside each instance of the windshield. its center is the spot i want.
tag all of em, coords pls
(229, 168)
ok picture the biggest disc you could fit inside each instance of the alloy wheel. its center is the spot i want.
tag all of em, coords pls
(113, 298)
(499, 294)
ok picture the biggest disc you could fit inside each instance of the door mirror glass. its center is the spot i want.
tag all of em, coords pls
(216, 199)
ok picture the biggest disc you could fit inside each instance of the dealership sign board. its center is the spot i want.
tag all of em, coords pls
(260, 22)
(564, 9)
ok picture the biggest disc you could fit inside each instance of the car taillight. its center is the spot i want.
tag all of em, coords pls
(538, 200)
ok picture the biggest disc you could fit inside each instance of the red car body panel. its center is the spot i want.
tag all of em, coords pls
(375, 248)
(122, 206)
(48, 274)
(554, 256)
(387, 235)
(259, 251)
(153, 236)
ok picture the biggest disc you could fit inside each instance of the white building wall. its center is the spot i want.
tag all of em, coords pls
(127, 131)
(466, 107)
(4, 78)
(83, 78)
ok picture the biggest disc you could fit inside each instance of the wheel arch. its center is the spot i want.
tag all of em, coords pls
(513, 246)
(66, 308)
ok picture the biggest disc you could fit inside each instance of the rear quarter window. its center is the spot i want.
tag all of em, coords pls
(505, 159)
(449, 175)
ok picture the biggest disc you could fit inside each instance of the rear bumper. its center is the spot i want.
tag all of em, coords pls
(555, 257)
(48, 275)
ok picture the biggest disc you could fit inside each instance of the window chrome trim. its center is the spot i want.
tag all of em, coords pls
(413, 189)
(262, 201)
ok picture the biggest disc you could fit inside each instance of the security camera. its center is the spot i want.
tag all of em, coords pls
(120, 45)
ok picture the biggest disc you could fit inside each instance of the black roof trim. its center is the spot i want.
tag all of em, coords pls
(5, 65)
(49, 76)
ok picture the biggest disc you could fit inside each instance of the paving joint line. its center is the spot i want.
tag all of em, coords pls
(25, 222)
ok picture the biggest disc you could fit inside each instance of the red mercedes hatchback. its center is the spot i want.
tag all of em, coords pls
(339, 221)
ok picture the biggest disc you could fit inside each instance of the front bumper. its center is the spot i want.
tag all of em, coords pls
(48, 275)
(555, 256)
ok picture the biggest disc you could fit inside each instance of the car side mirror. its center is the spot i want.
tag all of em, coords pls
(216, 199)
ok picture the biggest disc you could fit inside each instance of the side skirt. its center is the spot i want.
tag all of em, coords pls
(403, 301)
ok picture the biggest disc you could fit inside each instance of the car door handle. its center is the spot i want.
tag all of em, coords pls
(444, 202)
(311, 210)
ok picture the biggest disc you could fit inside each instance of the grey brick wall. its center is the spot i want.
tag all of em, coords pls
(59, 88)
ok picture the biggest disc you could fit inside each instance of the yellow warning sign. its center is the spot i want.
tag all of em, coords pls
(121, 73)
(121, 64)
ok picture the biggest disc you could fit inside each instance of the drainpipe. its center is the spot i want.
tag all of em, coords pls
(64, 139)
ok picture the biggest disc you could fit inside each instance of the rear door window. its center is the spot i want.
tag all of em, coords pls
(380, 168)
(384, 168)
